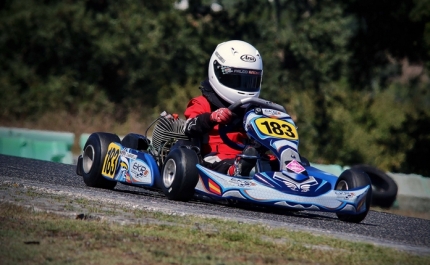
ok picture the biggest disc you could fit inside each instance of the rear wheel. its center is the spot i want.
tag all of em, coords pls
(352, 179)
(180, 174)
(95, 150)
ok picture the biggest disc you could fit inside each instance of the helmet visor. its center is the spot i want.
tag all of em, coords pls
(241, 79)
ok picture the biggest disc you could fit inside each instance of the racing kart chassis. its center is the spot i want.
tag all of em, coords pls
(172, 163)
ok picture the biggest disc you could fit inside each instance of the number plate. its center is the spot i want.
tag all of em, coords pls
(111, 161)
(277, 128)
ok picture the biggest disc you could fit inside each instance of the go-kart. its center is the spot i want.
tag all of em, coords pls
(172, 162)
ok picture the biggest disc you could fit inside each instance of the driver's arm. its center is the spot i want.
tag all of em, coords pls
(198, 119)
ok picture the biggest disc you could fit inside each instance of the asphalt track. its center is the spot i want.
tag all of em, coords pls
(403, 233)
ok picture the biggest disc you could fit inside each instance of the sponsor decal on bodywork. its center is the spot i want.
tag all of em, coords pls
(213, 187)
(295, 167)
(344, 195)
(296, 185)
(125, 153)
(124, 174)
(241, 183)
(139, 172)
(275, 113)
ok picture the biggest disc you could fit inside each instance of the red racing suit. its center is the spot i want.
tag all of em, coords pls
(198, 124)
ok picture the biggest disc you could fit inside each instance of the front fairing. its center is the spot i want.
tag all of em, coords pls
(295, 185)
(314, 193)
(275, 130)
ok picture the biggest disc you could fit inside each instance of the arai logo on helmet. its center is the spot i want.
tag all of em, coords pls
(248, 58)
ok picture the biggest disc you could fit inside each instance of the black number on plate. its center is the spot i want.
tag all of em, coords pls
(111, 161)
(277, 128)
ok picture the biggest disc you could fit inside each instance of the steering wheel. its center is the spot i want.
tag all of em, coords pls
(257, 102)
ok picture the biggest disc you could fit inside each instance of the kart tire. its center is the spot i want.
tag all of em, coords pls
(95, 150)
(383, 186)
(351, 179)
(305, 161)
(135, 141)
(180, 174)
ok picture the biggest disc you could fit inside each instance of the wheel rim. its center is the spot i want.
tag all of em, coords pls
(169, 173)
(88, 158)
(342, 185)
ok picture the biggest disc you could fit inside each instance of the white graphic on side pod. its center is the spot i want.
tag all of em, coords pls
(303, 186)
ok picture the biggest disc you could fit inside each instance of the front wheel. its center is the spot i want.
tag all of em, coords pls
(180, 174)
(384, 188)
(95, 150)
(352, 179)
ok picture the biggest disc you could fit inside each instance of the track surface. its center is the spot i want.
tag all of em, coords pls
(404, 233)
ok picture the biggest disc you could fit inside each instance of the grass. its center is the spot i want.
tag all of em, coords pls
(37, 237)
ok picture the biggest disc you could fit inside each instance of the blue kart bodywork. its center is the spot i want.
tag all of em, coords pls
(294, 185)
(295, 191)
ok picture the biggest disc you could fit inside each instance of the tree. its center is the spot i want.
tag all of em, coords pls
(398, 29)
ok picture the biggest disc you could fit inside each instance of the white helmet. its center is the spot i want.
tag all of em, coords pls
(235, 71)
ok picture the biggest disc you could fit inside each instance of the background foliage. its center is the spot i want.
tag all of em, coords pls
(352, 73)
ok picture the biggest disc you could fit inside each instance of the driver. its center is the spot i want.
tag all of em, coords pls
(235, 72)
